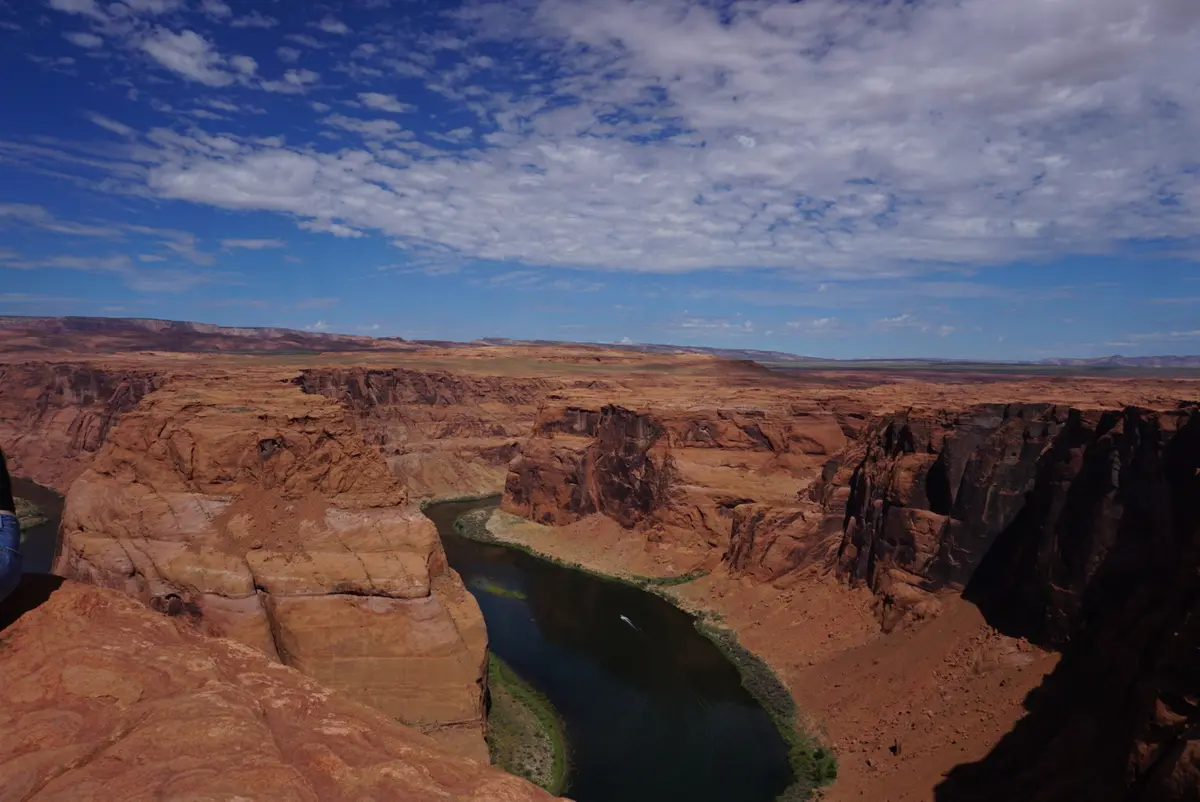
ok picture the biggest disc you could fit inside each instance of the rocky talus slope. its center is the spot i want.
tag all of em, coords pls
(105, 699)
(256, 512)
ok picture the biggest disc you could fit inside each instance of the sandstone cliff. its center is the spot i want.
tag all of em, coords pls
(675, 475)
(257, 512)
(55, 417)
(442, 434)
(104, 699)
(1075, 529)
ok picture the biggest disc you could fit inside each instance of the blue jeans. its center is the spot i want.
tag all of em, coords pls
(10, 554)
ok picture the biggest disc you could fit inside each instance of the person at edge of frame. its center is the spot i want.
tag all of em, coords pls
(10, 534)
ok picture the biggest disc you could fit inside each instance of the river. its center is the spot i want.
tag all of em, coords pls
(39, 544)
(652, 709)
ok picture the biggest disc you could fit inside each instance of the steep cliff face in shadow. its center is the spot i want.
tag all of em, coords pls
(1077, 530)
(1103, 561)
(55, 417)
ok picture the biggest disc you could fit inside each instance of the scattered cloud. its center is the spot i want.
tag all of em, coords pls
(823, 326)
(373, 129)
(288, 55)
(330, 24)
(320, 325)
(189, 54)
(255, 19)
(153, 6)
(253, 244)
(216, 9)
(376, 100)
(38, 217)
(111, 125)
(88, 40)
(294, 82)
(87, 8)
(244, 64)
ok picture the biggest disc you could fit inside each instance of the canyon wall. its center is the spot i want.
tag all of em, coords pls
(257, 512)
(54, 417)
(1078, 530)
(104, 699)
(675, 475)
(442, 434)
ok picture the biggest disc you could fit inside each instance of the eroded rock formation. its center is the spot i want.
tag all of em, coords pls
(442, 434)
(258, 513)
(1078, 530)
(104, 699)
(678, 475)
(54, 417)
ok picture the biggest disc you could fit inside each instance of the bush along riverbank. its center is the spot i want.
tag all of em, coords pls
(813, 765)
(29, 514)
(525, 735)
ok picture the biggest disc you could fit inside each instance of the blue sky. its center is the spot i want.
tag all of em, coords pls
(949, 178)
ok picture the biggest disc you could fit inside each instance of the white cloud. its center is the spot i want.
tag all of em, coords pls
(376, 100)
(253, 244)
(29, 214)
(189, 54)
(294, 82)
(216, 9)
(89, 40)
(254, 19)
(320, 325)
(244, 64)
(87, 8)
(153, 6)
(373, 129)
(817, 326)
(289, 55)
(332, 25)
(305, 39)
(110, 125)
(886, 137)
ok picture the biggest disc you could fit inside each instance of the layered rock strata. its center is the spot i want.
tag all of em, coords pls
(1078, 530)
(54, 417)
(676, 475)
(442, 434)
(257, 512)
(104, 699)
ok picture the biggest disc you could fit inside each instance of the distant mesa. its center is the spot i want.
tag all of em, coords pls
(19, 334)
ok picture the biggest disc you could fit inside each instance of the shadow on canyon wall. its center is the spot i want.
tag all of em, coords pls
(1101, 563)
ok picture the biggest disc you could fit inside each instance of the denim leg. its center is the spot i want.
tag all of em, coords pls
(10, 554)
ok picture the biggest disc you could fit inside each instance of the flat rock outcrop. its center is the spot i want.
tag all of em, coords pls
(257, 512)
(104, 699)
(54, 417)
